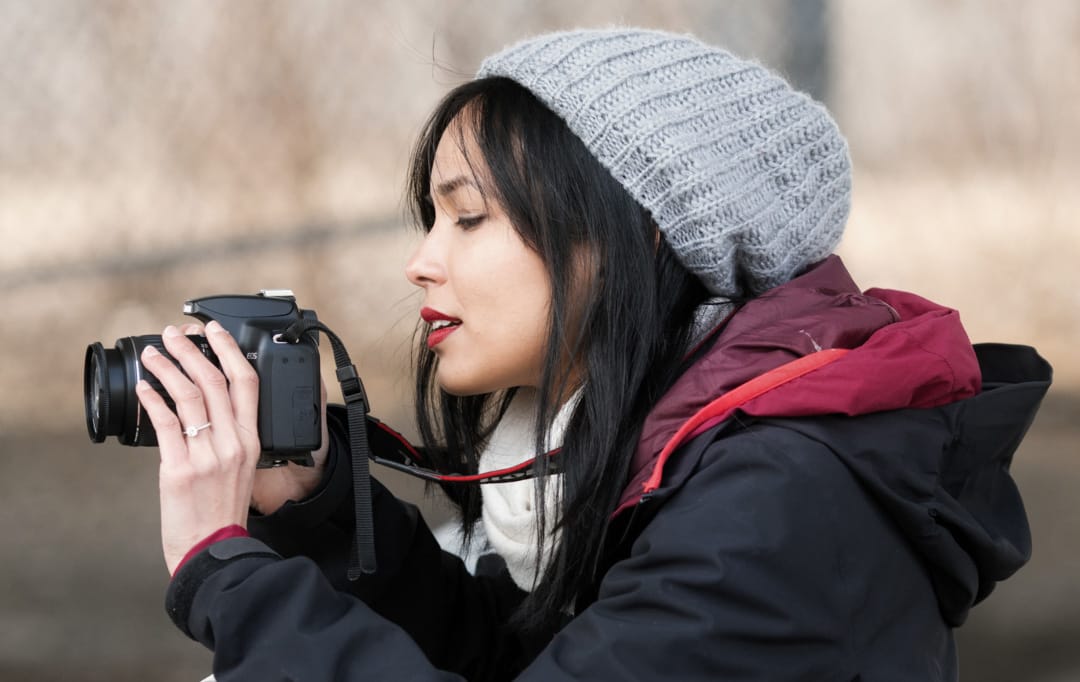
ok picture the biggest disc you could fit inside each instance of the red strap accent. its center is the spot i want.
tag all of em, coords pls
(495, 473)
(720, 408)
(430, 475)
(400, 438)
(233, 531)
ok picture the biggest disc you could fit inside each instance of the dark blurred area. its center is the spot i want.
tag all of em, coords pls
(153, 152)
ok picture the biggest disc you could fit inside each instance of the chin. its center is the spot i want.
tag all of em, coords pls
(459, 388)
(463, 386)
(457, 392)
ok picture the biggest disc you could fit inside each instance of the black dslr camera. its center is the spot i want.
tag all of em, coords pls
(289, 385)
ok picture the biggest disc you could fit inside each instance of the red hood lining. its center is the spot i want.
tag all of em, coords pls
(721, 408)
(905, 352)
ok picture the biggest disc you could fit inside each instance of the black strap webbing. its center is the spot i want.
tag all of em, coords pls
(356, 404)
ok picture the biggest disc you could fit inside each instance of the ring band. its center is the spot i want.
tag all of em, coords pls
(193, 431)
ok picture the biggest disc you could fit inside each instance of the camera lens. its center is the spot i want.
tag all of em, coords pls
(109, 378)
(101, 405)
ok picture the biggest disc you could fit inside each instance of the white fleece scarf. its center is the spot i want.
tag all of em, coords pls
(510, 510)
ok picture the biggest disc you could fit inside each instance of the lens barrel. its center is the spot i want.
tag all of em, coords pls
(109, 378)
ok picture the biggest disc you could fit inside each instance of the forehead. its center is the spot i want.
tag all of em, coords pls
(459, 160)
(457, 152)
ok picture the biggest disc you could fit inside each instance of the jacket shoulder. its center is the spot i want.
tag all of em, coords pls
(771, 558)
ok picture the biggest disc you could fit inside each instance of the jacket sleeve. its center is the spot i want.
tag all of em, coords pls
(260, 601)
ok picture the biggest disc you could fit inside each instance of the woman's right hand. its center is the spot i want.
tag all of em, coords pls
(275, 486)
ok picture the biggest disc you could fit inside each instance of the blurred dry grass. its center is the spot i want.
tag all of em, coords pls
(152, 152)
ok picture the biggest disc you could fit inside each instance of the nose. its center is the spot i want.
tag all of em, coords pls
(426, 266)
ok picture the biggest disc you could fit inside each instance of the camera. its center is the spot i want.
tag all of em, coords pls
(289, 379)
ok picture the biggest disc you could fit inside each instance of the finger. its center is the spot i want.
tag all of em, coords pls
(190, 408)
(170, 437)
(243, 380)
(210, 384)
(192, 329)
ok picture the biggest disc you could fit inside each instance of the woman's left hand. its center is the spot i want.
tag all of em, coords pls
(210, 445)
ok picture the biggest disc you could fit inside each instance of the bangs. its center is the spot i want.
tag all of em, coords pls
(488, 113)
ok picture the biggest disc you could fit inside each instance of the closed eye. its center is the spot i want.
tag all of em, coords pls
(469, 221)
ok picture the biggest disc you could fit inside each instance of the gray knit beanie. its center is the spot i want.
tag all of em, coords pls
(748, 180)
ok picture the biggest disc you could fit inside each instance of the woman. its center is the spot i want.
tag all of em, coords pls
(745, 468)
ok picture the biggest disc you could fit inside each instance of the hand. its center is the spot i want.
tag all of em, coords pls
(274, 487)
(206, 479)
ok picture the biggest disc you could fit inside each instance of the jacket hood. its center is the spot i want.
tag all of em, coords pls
(941, 474)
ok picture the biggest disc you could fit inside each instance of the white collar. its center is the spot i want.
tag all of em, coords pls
(510, 510)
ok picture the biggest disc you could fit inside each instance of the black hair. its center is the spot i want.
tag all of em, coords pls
(625, 324)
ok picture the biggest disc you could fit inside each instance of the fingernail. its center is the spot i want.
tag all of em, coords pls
(215, 326)
(150, 350)
(171, 331)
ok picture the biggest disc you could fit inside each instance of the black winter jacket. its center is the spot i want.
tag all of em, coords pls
(836, 527)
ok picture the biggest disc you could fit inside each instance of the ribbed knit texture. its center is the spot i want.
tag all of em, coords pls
(748, 180)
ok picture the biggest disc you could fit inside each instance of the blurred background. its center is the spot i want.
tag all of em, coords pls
(156, 151)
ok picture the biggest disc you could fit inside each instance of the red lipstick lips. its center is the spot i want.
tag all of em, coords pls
(441, 325)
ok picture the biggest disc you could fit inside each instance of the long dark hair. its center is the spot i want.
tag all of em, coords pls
(626, 328)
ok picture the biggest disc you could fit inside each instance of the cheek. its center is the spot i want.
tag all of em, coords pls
(508, 310)
(509, 313)
(527, 324)
(524, 297)
(504, 290)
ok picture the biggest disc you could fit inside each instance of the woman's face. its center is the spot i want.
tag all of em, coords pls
(486, 293)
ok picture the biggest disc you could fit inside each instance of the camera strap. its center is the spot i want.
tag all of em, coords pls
(362, 560)
(392, 450)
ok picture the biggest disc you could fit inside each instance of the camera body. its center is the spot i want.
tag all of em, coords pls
(289, 380)
(289, 385)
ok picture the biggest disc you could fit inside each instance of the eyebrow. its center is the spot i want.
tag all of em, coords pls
(454, 184)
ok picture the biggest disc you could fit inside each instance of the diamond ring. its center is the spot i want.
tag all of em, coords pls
(193, 431)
